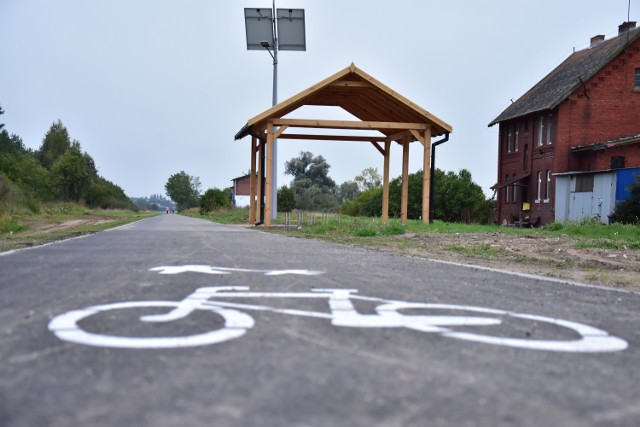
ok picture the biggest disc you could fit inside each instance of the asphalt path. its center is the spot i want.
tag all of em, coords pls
(250, 343)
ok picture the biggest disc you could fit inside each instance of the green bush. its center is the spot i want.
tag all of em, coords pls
(628, 211)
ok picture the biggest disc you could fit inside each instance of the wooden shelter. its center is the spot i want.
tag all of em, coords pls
(377, 107)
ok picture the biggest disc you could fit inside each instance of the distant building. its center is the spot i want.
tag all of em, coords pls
(568, 146)
(241, 191)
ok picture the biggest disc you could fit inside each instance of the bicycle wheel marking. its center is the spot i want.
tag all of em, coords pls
(66, 328)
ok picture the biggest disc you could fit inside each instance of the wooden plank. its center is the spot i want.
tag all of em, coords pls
(252, 182)
(351, 84)
(316, 137)
(398, 136)
(276, 111)
(385, 183)
(260, 196)
(346, 124)
(404, 200)
(269, 167)
(417, 136)
(426, 176)
(380, 149)
(278, 133)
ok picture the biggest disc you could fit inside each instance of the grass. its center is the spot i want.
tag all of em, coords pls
(589, 234)
(18, 231)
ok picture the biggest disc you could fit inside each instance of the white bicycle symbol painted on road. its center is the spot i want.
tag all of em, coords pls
(229, 302)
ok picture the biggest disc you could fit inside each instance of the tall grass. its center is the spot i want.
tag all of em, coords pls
(591, 234)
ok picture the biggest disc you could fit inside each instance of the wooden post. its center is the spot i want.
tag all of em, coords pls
(385, 185)
(269, 180)
(426, 175)
(404, 201)
(252, 182)
(259, 195)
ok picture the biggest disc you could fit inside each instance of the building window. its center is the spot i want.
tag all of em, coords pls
(506, 190)
(514, 188)
(525, 165)
(636, 84)
(539, 187)
(509, 139)
(549, 127)
(540, 131)
(547, 193)
(516, 143)
(584, 183)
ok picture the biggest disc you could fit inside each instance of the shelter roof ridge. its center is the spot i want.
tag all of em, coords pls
(359, 94)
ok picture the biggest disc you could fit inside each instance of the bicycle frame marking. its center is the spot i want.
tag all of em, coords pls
(342, 313)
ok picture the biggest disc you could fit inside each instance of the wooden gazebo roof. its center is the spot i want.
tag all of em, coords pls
(377, 108)
(359, 94)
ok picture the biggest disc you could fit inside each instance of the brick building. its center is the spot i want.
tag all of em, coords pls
(581, 119)
(240, 191)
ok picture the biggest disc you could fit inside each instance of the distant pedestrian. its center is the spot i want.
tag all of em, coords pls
(167, 209)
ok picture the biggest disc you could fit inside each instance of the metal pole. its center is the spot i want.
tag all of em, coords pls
(274, 185)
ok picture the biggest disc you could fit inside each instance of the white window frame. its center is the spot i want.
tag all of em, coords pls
(506, 191)
(549, 128)
(508, 139)
(540, 131)
(548, 189)
(516, 143)
(539, 187)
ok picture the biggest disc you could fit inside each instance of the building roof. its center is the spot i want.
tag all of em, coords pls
(612, 143)
(565, 79)
(357, 93)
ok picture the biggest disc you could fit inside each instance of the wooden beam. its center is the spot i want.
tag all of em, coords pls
(269, 180)
(345, 83)
(404, 200)
(259, 194)
(398, 136)
(346, 124)
(417, 136)
(278, 133)
(426, 176)
(380, 149)
(385, 183)
(353, 138)
(252, 182)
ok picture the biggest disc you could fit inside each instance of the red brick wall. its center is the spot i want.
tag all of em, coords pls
(242, 187)
(611, 110)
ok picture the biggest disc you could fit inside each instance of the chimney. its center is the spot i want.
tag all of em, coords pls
(626, 26)
(596, 40)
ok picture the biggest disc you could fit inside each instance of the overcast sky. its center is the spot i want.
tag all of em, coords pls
(153, 87)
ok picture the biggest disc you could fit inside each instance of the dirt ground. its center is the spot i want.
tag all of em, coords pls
(42, 230)
(546, 256)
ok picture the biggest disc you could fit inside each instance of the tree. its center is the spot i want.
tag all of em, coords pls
(286, 199)
(213, 199)
(107, 195)
(54, 145)
(627, 211)
(311, 182)
(1, 113)
(313, 168)
(457, 198)
(348, 190)
(369, 179)
(72, 174)
(183, 189)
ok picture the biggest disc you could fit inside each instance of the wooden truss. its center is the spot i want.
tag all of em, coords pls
(395, 118)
